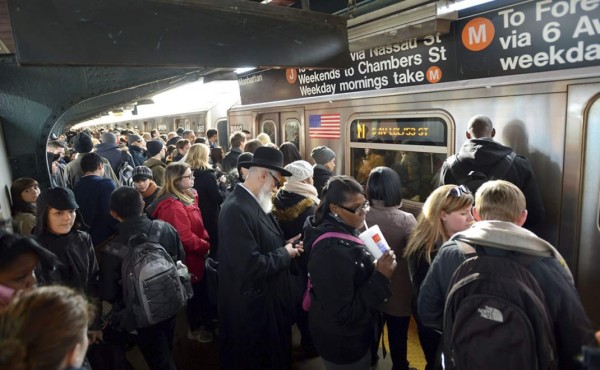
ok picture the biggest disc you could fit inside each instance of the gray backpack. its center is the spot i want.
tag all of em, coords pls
(152, 288)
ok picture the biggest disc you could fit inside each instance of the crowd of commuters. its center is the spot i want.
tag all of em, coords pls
(286, 235)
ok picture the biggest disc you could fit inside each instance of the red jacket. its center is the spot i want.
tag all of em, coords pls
(187, 220)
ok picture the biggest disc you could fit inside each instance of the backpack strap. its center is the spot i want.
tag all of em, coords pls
(335, 234)
(502, 166)
(466, 248)
(155, 231)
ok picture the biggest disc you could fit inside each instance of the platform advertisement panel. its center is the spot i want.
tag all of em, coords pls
(532, 36)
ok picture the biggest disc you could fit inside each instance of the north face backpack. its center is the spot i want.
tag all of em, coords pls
(496, 317)
(474, 179)
(125, 171)
(152, 288)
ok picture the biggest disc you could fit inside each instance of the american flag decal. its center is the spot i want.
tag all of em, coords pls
(324, 126)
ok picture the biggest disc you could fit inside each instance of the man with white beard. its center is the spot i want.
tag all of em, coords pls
(255, 302)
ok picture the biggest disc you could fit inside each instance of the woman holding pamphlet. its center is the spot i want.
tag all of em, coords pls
(347, 283)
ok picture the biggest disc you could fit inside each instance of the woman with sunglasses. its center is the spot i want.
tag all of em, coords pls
(177, 204)
(348, 285)
(446, 211)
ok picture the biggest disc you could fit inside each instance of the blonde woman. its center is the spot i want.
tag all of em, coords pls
(210, 190)
(446, 211)
(177, 204)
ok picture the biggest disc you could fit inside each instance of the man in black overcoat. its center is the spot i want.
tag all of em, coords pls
(255, 303)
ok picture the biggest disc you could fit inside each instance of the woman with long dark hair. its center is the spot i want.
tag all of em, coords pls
(24, 192)
(347, 285)
(290, 153)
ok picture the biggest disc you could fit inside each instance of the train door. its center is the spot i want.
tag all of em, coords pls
(282, 127)
(584, 107)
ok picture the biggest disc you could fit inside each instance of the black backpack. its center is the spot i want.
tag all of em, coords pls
(496, 317)
(153, 288)
(474, 179)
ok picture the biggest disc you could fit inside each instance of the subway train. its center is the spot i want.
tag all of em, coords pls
(533, 67)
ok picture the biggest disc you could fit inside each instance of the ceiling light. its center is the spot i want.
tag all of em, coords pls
(454, 6)
(145, 101)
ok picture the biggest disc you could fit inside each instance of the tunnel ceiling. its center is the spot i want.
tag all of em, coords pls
(190, 33)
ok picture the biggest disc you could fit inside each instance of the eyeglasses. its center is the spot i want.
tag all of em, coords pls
(457, 191)
(190, 176)
(357, 210)
(277, 183)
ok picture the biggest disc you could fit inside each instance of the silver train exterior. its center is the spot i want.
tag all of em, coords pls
(552, 117)
(555, 123)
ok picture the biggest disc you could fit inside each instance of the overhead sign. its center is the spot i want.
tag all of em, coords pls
(528, 37)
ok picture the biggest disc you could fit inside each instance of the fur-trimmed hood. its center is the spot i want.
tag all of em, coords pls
(288, 206)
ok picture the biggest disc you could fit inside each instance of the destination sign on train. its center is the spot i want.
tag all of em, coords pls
(532, 36)
(399, 131)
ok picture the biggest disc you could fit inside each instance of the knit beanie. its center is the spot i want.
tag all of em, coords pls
(322, 154)
(133, 138)
(301, 170)
(82, 143)
(109, 138)
(141, 173)
(153, 147)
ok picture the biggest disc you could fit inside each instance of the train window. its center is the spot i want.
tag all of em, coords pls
(413, 147)
(269, 128)
(292, 132)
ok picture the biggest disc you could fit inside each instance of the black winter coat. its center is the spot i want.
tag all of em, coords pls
(346, 293)
(291, 211)
(138, 155)
(79, 269)
(255, 304)
(320, 176)
(210, 199)
(482, 155)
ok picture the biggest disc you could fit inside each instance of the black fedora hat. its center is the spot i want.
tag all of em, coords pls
(268, 158)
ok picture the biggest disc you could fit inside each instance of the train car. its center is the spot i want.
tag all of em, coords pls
(533, 67)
